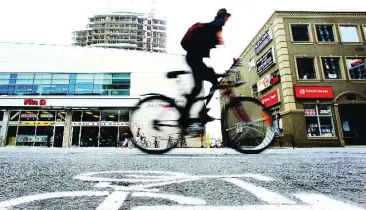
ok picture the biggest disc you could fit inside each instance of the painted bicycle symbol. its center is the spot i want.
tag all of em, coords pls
(148, 184)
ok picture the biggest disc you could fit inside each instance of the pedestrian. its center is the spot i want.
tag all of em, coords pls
(49, 136)
(128, 136)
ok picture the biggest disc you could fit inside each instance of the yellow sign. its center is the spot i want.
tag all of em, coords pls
(37, 124)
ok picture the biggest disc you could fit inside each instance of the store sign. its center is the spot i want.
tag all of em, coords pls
(271, 98)
(268, 81)
(36, 123)
(28, 115)
(266, 62)
(46, 115)
(313, 92)
(99, 124)
(263, 42)
(34, 102)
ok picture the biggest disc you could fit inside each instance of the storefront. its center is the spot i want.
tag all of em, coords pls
(66, 121)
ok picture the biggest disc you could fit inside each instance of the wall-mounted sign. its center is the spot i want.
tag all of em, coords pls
(28, 115)
(99, 124)
(268, 80)
(313, 92)
(31, 138)
(271, 98)
(46, 115)
(266, 62)
(263, 41)
(35, 102)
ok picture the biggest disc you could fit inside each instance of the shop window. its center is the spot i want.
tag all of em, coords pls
(325, 33)
(306, 68)
(349, 33)
(124, 116)
(28, 115)
(46, 116)
(76, 116)
(300, 33)
(110, 115)
(14, 115)
(331, 68)
(319, 120)
(91, 116)
(61, 116)
(356, 68)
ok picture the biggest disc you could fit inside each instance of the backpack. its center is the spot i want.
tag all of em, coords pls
(193, 35)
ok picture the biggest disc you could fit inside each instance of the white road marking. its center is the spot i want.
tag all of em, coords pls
(39, 197)
(248, 207)
(261, 192)
(325, 202)
(114, 201)
(254, 176)
(183, 200)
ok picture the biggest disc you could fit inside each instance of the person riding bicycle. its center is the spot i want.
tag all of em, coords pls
(198, 41)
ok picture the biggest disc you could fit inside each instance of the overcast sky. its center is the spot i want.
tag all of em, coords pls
(52, 21)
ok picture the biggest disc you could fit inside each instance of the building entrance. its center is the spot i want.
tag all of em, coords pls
(352, 123)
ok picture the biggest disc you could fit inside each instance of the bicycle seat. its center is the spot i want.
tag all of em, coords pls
(175, 74)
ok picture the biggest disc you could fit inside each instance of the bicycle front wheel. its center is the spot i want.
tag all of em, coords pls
(248, 125)
(157, 116)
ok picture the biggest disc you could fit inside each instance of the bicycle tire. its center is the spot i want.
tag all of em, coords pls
(172, 105)
(256, 106)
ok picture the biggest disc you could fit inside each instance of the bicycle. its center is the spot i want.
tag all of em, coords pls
(246, 122)
(144, 142)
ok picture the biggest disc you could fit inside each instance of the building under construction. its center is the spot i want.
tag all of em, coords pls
(123, 30)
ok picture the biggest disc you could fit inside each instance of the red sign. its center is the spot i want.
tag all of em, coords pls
(34, 102)
(271, 98)
(313, 92)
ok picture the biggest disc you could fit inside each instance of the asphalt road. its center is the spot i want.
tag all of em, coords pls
(115, 178)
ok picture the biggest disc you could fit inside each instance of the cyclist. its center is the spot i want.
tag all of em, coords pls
(198, 42)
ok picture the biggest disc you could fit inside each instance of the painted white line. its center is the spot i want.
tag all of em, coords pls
(254, 176)
(177, 198)
(31, 198)
(325, 202)
(261, 192)
(249, 207)
(114, 201)
(145, 186)
(166, 176)
(102, 184)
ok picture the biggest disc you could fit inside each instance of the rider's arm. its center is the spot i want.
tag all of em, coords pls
(220, 39)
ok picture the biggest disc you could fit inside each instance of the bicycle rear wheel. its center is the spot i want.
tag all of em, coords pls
(157, 116)
(248, 125)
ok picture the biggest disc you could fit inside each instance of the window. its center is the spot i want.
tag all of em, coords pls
(325, 33)
(349, 34)
(300, 33)
(331, 68)
(364, 31)
(91, 116)
(237, 76)
(356, 68)
(306, 68)
(124, 116)
(319, 120)
(255, 91)
(110, 115)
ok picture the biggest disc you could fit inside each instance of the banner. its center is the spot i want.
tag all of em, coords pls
(31, 138)
(32, 123)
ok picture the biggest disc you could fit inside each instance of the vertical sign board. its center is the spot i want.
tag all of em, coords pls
(263, 42)
(266, 62)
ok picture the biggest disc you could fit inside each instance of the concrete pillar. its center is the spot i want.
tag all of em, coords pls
(67, 130)
(4, 128)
